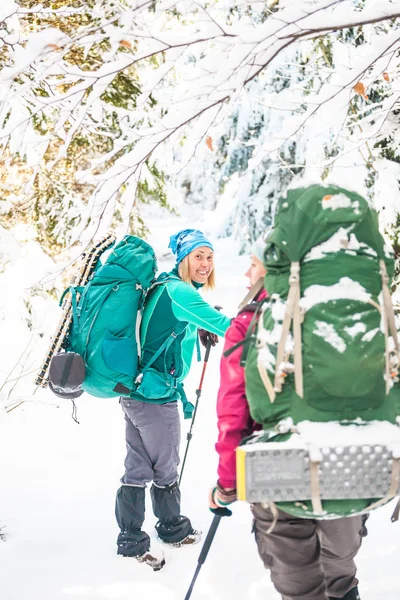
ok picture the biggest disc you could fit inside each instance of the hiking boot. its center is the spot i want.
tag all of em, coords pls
(192, 538)
(351, 595)
(155, 560)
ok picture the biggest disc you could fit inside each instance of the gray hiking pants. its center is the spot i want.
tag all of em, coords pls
(152, 433)
(309, 559)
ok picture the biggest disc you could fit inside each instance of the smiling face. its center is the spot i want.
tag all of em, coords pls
(201, 264)
(255, 270)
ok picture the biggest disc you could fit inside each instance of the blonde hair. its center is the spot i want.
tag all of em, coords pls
(184, 274)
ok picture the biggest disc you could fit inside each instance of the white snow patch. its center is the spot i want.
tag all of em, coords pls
(336, 201)
(333, 434)
(338, 241)
(344, 289)
(278, 308)
(367, 337)
(330, 335)
(355, 329)
(337, 435)
(267, 358)
(315, 453)
(342, 239)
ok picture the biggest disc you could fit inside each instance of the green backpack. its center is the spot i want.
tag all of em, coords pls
(325, 347)
(104, 332)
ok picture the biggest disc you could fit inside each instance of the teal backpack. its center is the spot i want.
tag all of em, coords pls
(322, 365)
(101, 349)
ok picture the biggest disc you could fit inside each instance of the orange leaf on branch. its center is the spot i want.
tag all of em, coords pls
(125, 44)
(209, 143)
(386, 76)
(359, 88)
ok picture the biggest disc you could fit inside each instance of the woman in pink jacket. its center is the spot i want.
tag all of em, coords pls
(234, 421)
(308, 559)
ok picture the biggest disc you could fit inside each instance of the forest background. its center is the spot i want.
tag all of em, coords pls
(214, 107)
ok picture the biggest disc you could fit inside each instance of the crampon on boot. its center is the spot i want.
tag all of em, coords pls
(192, 538)
(155, 560)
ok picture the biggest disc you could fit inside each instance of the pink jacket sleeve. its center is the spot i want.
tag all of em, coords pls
(234, 421)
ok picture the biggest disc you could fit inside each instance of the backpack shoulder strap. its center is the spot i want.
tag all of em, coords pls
(254, 307)
(252, 293)
(251, 331)
(180, 328)
(162, 279)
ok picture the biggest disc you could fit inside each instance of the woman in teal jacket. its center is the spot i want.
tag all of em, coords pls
(173, 313)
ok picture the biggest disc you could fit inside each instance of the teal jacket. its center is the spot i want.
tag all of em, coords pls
(174, 311)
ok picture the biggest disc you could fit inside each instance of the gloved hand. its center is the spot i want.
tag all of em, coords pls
(220, 498)
(206, 335)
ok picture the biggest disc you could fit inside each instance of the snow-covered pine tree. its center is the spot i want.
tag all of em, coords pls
(55, 159)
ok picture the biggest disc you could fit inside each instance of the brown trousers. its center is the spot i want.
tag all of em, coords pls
(309, 559)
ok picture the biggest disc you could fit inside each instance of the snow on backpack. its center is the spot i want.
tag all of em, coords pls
(322, 368)
(101, 341)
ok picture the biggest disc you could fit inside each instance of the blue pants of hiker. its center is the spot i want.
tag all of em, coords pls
(152, 443)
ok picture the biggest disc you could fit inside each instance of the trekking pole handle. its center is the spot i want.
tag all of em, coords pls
(209, 341)
(207, 354)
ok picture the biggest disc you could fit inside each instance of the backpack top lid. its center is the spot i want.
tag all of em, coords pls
(311, 215)
(133, 255)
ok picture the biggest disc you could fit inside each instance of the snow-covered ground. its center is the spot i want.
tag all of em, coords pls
(58, 484)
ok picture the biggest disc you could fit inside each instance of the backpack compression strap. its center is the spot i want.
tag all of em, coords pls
(261, 344)
(389, 322)
(292, 313)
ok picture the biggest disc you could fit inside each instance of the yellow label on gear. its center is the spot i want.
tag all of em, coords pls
(241, 474)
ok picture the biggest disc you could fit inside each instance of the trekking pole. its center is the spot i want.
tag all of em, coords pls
(189, 435)
(218, 513)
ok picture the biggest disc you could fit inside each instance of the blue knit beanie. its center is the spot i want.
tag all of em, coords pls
(183, 242)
